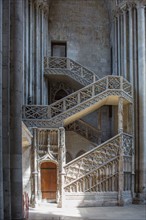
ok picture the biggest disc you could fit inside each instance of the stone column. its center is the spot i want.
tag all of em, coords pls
(120, 115)
(142, 98)
(136, 104)
(121, 43)
(61, 161)
(30, 76)
(6, 110)
(130, 78)
(34, 170)
(42, 56)
(115, 47)
(26, 53)
(1, 161)
(119, 47)
(45, 51)
(16, 108)
(124, 44)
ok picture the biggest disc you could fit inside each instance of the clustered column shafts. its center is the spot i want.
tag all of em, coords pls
(35, 49)
(134, 66)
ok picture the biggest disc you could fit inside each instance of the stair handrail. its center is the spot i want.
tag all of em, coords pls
(74, 66)
(92, 171)
(88, 129)
(122, 134)
(98, 147)
(81, 96)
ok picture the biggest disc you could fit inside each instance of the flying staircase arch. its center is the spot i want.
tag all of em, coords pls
(112, 162)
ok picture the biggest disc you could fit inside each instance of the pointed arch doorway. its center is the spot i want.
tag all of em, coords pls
(49, 181)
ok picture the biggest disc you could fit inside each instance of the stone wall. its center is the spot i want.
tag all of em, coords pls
(84, 25)
(76, 144)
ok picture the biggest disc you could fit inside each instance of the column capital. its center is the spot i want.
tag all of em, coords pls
(141, 4)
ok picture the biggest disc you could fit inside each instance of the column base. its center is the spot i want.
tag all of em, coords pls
(140, 198)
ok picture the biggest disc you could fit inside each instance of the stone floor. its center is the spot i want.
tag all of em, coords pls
(51, 212)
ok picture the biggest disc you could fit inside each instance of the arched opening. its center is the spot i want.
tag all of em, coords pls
(60, 94)
(49, 181)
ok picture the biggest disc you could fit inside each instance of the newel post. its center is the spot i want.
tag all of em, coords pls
(34, 166)
(121, 173)
(61, 161)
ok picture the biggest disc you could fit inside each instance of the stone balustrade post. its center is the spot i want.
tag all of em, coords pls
(34, 169)
(120, 115)
(121, 173)
(61, 161)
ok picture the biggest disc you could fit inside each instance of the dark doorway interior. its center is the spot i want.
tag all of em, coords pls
(58, 49)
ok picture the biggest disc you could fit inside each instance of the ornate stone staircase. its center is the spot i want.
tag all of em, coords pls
(80, 103)
(107, 167)
(100, 167)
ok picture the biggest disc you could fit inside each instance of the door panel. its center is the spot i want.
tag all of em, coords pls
(48, 180)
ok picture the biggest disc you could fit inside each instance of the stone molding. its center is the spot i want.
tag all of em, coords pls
(42, 4)
(127, 5)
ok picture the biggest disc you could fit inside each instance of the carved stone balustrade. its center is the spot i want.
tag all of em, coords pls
(98, 169)
(80, 102)
(66, 66)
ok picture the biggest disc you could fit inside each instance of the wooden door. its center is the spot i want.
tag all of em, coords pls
(49, 181)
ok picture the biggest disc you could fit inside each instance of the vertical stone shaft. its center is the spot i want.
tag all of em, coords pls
(136, 104)
(6, 110)
(120, 115)
(119, 47)
(1, 164)
(142, 96)
(62, 161)
(125, 46)
(115, 47)
(16, 108)
(130, 46)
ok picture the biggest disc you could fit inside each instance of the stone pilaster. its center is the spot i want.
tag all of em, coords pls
(16, 108)
(1, 164)
(142, 98)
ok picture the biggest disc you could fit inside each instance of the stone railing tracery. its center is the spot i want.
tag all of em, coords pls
(76, 102)
(85, 130)
(98, 169)
(64, 65)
